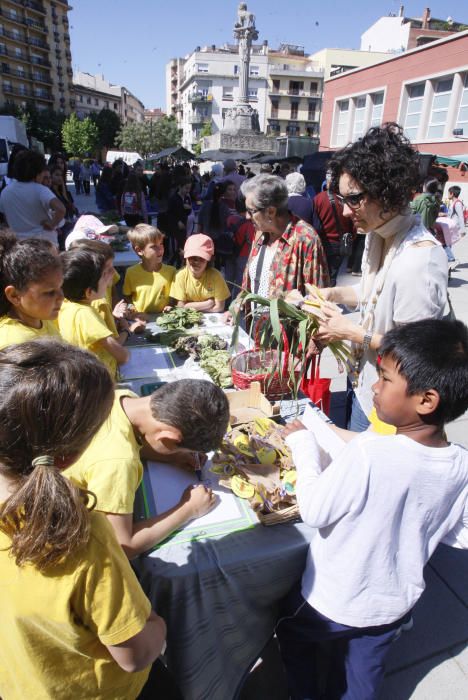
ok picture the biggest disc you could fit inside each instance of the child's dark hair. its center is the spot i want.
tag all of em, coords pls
(22, 263)
(455, 190)
(82, 270)
(198, 408)
(433, 354)
(53, 399)
(99, 247)
(28, 165)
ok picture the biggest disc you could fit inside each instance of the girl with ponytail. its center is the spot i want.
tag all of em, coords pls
(75, 622)
(30, 289)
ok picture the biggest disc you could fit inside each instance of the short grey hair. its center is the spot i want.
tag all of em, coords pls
(267, 191)
(295, 182)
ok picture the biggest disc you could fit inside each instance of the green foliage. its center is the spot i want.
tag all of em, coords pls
(149, 137)
(79, 137)
(108, 124)
(44, 125)
(206, 131)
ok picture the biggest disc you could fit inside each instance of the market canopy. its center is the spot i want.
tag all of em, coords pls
(454, 161)
(176, 152)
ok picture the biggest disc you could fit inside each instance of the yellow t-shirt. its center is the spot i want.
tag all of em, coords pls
(54, 624)
(210, 286)
(13, 331)
(115, 279)
(81, 325)
(378, 426)
(110, 466)
(149, 291)
(104, 310)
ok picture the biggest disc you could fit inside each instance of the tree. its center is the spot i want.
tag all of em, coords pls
(44, 125)
(80, 138)
(206, 131)
(108, 124)
(149, 137)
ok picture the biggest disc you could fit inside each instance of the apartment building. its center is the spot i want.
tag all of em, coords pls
(154, 115)
(94, 92)
(425, 90)
(209, 86)
(35, 56)
(174, 77)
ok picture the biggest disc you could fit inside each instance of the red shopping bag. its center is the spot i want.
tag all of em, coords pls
(316, 388)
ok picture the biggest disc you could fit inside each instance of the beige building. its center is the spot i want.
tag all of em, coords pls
(174, 79)
(154, 115)
(336, 61)
(94, 92)
(35, 57)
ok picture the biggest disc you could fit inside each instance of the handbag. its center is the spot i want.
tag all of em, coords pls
(346, 238)
(316, 387)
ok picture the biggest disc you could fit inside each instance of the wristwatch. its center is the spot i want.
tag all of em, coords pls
(366, 341)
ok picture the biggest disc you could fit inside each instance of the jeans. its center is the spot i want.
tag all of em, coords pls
(357, 654)
(356, 418)
(449, 253)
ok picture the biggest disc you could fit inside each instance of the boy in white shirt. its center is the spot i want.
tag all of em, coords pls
(381, 508)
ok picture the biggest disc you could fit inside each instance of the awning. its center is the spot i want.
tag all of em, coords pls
(216, 154)
(454, 161)
(176, 152)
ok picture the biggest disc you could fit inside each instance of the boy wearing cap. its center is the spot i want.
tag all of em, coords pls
(198, 285)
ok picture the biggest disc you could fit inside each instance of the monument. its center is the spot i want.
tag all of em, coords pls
(241, 131)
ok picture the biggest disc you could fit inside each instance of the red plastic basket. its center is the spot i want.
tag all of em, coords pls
(263, 366)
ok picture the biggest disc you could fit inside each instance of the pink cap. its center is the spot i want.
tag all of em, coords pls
(199, 246)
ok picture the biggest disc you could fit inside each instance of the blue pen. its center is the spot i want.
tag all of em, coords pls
(198, 470)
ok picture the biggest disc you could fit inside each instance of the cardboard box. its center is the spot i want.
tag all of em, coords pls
(247, 404)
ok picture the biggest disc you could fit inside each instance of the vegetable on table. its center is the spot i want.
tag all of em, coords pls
(180, 317)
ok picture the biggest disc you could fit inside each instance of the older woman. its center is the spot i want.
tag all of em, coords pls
(287, 253)
(299, 203)
(404, 269)
(31, 209)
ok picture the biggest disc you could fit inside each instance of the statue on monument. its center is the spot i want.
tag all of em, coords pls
(242, 116)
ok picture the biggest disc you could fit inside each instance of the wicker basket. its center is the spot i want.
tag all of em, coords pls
(280, 516)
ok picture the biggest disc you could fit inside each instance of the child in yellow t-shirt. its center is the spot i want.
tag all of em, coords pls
(190, 414)
(197, 285)
(147, 285)
(75, 621)
(84, 282)
(30, 289)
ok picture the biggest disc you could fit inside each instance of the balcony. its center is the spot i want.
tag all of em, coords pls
(25, 75)
(40, 61)
(278, 69)
(200, 97)
(36, 6)
(199, 119)
(38, 43)
(14, 36)
(295, 93)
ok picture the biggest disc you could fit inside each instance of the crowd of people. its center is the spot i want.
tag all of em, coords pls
(76, 622)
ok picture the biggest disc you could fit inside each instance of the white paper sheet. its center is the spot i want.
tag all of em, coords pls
(145, 362)
(169, 482)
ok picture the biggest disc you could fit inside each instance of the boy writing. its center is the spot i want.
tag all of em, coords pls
(148, 283)
(85, 280)
(381, 508)
(180, 416)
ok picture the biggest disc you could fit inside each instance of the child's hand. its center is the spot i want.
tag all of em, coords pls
(167, 309)
(198, 500)
(137, 326)
(293, 427)
(187, 459)
(120, 309)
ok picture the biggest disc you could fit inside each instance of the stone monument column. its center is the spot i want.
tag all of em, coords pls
(242, 116)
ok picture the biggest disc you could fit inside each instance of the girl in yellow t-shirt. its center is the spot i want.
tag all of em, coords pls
(30, 289)
(197, 285)
(75, 622)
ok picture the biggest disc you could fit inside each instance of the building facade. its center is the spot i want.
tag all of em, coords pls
(94, 92)
(425, 90)
(154, 115)
(35, 56)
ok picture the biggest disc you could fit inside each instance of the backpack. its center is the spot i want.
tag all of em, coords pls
(130, 203)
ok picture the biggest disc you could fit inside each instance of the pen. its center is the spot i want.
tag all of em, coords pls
(198, 470)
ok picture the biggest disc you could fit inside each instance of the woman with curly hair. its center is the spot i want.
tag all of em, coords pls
(404, 268)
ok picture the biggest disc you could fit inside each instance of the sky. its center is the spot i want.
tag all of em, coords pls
(131, 42)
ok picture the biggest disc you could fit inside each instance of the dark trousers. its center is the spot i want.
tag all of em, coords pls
(357, 655)
(160, 685)
(77, 182)
(334, 260)
(86, 186)
(355, 259)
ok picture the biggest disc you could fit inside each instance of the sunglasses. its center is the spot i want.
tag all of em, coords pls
(352, 200)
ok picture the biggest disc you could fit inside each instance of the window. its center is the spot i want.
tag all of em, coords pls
(295, 87)
(202, 67)
(294, 110)
(413, 110)
(80, 98)
(96, 101)
(342, 123)
(292, 130)
(313, 88)
(462, 119)
(253, 93)
(227, 93)
(115, 105)
(311, 114)
(254, 70)
(224, 112)
(359, 116)
(274, 108)
(377, 107)
(88, 100)
(440, 103)
(236, 69)
(106, 104)
(276, 85)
